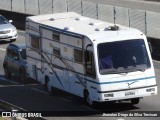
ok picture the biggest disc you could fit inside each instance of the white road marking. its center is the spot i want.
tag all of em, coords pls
(21, 118)
(40, 91)
(19, 85)
(4, 79)
(2, 49)
(120, 119)
(11, 85)
(111, 118)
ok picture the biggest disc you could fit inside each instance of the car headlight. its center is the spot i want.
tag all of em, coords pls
(13, 29)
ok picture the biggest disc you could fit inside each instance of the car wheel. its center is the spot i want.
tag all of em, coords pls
(88, 100)
(7, 73)
(135, 100)
(49, 87)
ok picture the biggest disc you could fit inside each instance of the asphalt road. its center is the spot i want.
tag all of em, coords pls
(33, 97)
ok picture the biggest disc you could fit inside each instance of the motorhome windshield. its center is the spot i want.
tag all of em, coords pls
(123, 57)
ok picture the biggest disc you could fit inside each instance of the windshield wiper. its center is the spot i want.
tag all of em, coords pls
(124, 71)
(114, 71)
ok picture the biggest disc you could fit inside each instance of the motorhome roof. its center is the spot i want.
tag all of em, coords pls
(76, 23)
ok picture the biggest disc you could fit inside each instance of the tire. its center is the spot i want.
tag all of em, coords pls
(23, 77)
(7, 73)
(87, 99)
(135, 101)
(48, 86)
(45, 85)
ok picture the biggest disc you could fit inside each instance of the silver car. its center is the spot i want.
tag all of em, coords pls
(7, 30)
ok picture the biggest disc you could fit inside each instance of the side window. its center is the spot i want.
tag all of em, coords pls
(89, 64)
(55, 36)
(78, 55)
(35, 42)
(56, 51)
(15, 54)
(9, 53)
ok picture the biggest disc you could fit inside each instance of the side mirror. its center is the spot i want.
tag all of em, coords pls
(10, 21)
(86, 56)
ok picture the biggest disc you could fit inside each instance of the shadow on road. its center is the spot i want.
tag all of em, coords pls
(117, 107)
(98, 109)
(16, 78)
(55, 104)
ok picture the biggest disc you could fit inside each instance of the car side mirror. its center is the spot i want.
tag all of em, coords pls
(10, 21)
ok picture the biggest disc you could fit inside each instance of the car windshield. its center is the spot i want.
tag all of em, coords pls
(123, 57)
(23, 54)
(3, 20)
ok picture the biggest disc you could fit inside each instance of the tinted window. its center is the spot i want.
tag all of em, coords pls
(123, 56)
(15, 53)
(56, 36)
(56, 51)
(78, 56)
(3, 20)
(89, 64)
(35, 42)
(10, 53)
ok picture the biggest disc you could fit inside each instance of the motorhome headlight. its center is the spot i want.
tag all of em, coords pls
(109, 95)
(150, 90)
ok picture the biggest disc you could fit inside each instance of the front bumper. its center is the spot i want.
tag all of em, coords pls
(128, 94)
(9, 36)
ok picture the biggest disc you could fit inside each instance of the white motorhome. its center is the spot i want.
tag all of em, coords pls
(96, 60)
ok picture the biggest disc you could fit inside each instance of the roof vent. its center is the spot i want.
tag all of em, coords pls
(99, 29)
(52, 19)
(95, 23)
(113, 28)
(57, 18)
(81, 18)
(110, 28)
(68, 28)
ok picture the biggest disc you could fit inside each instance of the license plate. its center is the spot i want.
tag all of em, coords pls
(5, 36)
(129, 93)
